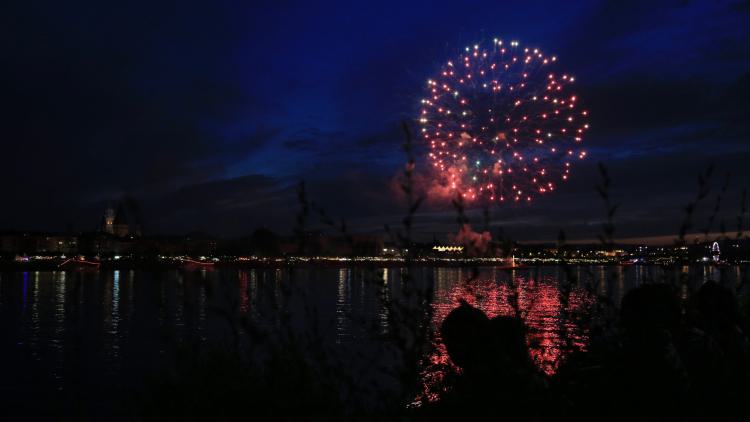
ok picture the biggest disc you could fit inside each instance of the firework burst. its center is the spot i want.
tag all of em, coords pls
(501, 124)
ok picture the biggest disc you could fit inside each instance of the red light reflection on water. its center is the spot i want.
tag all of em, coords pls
(244, 300)
(551, 333)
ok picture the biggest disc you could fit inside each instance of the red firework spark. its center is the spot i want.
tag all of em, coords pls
(501, 125)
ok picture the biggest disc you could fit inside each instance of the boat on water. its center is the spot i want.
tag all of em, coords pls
(80, 262)
(192, 263)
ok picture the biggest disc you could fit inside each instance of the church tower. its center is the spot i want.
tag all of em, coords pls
(120, 226)
(109, 220)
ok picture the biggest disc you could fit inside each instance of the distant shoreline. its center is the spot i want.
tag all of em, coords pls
(314, 262)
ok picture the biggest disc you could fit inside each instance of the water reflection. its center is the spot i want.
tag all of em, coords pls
(25, 290)
(63, 330)
(384, 312)
(35, 326)
(244, 301)
(253, 295)
(57, 342)
(549, 314)
(343, 305)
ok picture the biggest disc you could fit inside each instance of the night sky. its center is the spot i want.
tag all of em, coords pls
(210, 113)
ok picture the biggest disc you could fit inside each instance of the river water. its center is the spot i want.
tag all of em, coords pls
(72, 342)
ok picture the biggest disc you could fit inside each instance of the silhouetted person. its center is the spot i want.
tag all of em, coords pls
(720, 362)
(497, 375)
(651, 375)
(509, 337)
(465, 333)
(721, 318)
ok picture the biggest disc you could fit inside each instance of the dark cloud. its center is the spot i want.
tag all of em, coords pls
(304, 144)
(231, 207)
(100, 101)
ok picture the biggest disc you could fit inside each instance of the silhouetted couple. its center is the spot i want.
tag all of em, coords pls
(496, 372)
